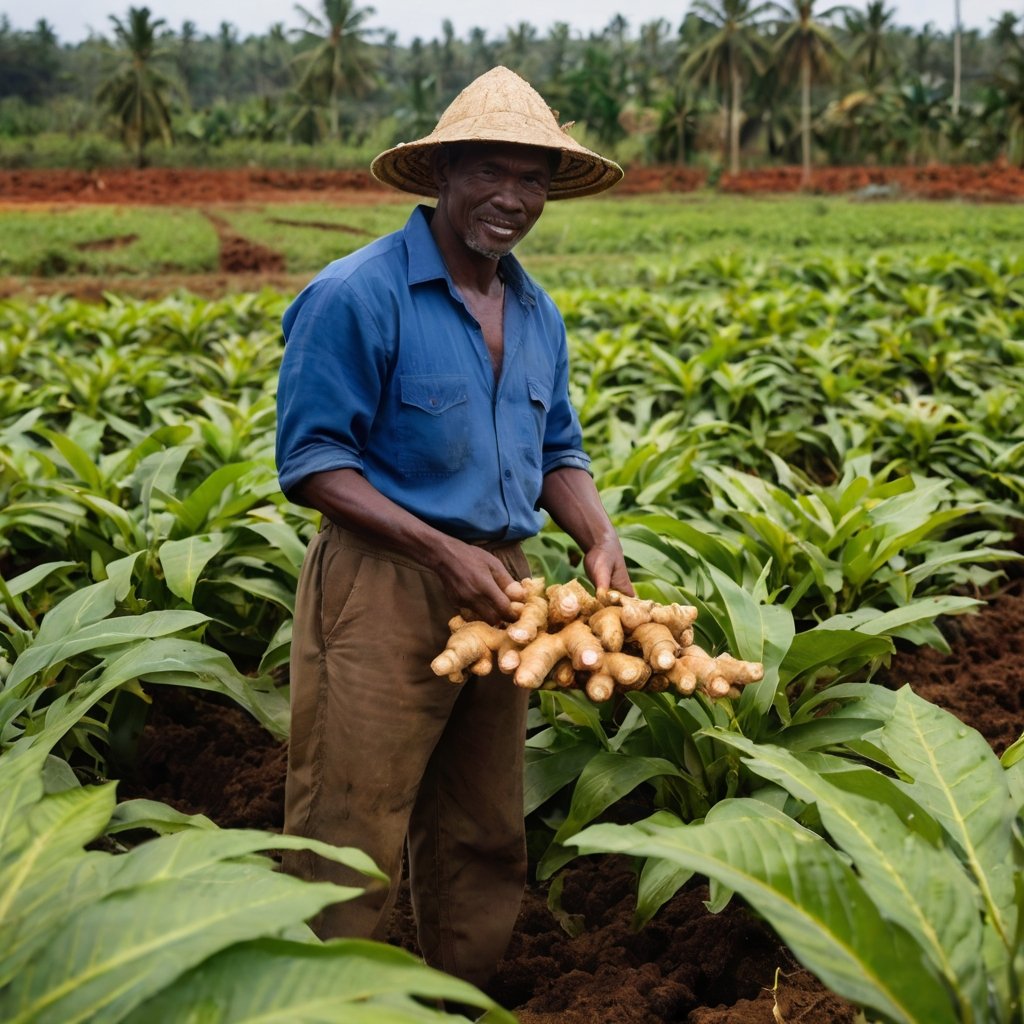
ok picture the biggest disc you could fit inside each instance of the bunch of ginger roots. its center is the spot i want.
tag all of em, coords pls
(566, 637)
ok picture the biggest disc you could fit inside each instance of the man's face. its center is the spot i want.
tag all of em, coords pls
(493, 194)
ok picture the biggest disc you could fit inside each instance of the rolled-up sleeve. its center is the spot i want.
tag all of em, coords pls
(332, 375)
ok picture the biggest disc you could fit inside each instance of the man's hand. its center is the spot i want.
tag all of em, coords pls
(606, 568)
(477, 583)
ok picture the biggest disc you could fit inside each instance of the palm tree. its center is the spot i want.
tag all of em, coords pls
(339, 61)
(227, 47)
(136, 91)
(1005, 31)
(732, 47)
(872, 31)
(1010, 81)
(924, 45)
(520, 48)
(957, 58)
(806, 44)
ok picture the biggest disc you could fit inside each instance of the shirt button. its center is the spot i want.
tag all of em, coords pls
(508, 474)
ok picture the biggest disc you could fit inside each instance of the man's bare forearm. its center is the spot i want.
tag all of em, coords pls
(573, 502)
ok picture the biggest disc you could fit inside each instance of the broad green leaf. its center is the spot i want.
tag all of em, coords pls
(98, 636)
(606, 778)
(90, 604)
(926, 609)
(919, 886)
(153, 816)
(548, 772)
(958, 780)
(193, 512)
(347, 981)
(27, 580)
(659, 881)
(111, 955)
(183, 561)
(34, 884)
(21, 786)
(808, 894)
(284, 538)
(823, 647)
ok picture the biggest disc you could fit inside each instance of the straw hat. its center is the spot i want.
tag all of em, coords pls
(499, 106)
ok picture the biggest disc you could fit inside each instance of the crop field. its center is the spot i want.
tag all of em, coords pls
(806, 419)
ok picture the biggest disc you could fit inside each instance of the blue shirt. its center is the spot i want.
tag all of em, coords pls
(386, 371)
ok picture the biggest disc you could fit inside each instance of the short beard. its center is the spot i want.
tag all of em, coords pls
(482, 250)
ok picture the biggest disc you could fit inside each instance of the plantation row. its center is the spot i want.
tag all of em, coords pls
(668, 235)
(823, 458)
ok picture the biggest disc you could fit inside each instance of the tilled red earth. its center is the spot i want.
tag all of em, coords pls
(202, 755)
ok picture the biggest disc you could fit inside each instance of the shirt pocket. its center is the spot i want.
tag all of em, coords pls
(539, 392)
(433, 424)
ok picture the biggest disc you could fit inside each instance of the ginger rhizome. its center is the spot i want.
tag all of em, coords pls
(564, 636)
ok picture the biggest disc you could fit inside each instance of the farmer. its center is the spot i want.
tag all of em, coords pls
(423, 410)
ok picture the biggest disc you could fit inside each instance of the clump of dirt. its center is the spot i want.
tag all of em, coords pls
(202, 754)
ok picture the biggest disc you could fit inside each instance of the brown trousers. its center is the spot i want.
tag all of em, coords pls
(383, 754)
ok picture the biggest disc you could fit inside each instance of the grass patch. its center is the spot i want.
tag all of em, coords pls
(69, 241)
(607, 240)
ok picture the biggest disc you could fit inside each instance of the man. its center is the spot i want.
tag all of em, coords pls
(424, 410)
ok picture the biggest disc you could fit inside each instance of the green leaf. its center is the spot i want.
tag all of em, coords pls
(925, 609)
(98, 636)
(921, 887)
(347, 981)
(824, 647)
(959, 781)
(90, 604)
(111, 955)
(183, 561)
(153, 816)
(606, 778)
(660, 880)
(547, 772)
(808, 894)
(27, 580)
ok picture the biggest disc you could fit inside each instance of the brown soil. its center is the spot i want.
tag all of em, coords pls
(977, 182)
(204, 755)
(241, 255)
(208, 187)
(158, 186)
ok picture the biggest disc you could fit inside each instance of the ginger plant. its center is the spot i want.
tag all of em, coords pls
(564, 637)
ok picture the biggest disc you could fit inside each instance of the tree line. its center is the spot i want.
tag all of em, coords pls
(735, 80)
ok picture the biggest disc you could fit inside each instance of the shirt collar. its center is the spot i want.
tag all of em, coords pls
(427, 264)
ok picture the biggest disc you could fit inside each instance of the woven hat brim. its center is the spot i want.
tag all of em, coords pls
(580, 172)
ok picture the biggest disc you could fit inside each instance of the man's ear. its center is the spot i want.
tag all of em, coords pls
(439, 167)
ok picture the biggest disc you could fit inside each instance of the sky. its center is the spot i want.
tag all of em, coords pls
(73, 19)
